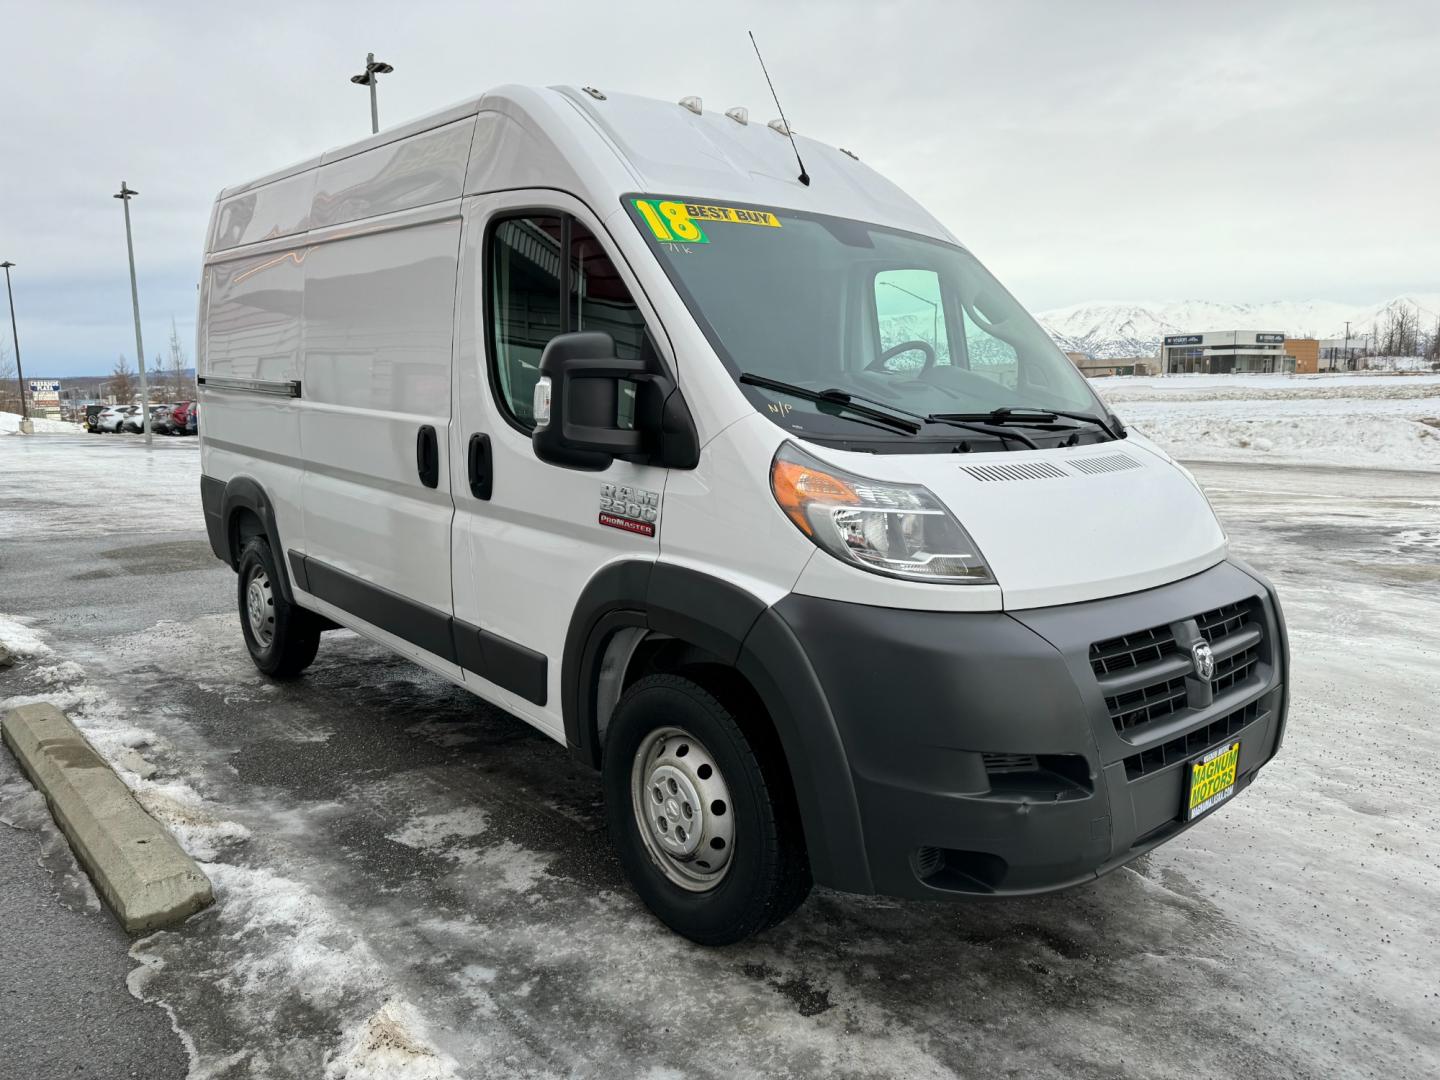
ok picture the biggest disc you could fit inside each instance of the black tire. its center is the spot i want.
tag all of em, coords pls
(285, 642)
(768, 873)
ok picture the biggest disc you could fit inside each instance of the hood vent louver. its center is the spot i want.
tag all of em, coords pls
(1020, 470)
(1105, 464)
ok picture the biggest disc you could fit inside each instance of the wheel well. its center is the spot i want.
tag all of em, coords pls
(244, 523)
(633, 653)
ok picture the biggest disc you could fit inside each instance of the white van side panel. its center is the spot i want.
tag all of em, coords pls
(379, 310)
(279, 208)
(419, 171)
(252, 333)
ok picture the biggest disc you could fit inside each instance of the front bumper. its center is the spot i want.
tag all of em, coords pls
(994, 754)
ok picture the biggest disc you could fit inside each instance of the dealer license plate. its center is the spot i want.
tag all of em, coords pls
(1212, 779)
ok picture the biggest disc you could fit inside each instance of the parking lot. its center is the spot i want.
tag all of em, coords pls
(412, 884)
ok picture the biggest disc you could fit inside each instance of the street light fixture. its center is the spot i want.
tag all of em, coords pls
(15, 336)
(124, 195)
(369, 77)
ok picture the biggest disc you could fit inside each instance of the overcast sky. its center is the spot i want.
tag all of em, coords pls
(1085, 151)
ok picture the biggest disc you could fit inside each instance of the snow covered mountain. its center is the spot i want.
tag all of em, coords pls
(1106, 330)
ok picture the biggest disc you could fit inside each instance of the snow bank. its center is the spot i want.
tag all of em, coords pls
(10, 423)
(1377, 421)
(17, 636)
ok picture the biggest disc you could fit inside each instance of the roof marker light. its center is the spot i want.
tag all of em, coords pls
(692, 103)
(596, 94)
(739, 114)
(779, 125)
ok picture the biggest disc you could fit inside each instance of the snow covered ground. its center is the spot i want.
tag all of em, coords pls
(412, 885)
(1378, 421)
(10, 424)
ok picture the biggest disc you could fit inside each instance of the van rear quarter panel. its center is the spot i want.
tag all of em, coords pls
(252, 331)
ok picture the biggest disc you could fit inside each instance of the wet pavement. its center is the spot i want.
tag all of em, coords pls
(413, 884)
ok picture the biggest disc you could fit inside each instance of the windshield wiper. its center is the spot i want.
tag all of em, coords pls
(1027, 417)
(895, 418)
(891, 414)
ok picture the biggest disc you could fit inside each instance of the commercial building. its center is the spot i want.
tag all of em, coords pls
(1305, 352)
(1344, 354)
(1092, 367)
(1220, 352)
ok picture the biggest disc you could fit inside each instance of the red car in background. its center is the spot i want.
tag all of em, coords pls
(182, 418)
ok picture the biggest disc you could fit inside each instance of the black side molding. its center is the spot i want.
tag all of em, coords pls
(518, 669)
(505, 663)
(416, 623)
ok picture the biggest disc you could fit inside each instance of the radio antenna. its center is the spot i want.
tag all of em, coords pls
(804, 176)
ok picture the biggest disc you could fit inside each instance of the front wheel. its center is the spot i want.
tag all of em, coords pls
(702, 815)
(281, 637)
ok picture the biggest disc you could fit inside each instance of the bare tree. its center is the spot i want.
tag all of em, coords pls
(122, 385)
(175, 366)
(1401, 334)
(9, 388)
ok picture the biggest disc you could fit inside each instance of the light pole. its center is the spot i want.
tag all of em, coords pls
(124, 196)
(15, 336)
(369, 77)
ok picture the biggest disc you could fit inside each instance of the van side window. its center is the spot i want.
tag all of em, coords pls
(526, 309)
(990, 355)
(600, 300)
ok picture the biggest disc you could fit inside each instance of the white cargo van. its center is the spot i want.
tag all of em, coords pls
(763, 497)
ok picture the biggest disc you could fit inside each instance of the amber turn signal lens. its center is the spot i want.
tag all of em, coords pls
(796, 485)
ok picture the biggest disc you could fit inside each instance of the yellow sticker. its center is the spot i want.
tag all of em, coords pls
(732, 214)
(678, 222)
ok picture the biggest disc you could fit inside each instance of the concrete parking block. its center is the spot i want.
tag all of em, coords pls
(137, 866)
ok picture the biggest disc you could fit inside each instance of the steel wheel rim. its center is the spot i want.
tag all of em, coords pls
(260, 607)
(683, 809)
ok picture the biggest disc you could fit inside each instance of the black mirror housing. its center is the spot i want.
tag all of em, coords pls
(583, 430)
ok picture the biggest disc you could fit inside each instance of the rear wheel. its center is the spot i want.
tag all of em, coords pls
(281, 637)
(702, 815)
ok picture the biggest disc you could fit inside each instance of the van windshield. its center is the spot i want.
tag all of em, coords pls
(826, 303)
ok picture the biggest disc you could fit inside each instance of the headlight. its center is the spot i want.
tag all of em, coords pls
(900, 530)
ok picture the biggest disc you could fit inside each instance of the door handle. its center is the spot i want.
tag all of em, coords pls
(478, 466)
(427, 456)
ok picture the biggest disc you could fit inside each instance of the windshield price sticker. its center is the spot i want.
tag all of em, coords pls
(678, 222)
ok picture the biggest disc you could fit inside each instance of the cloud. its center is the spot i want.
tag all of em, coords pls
(1227, 150)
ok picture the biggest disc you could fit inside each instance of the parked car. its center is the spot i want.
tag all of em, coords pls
(92, 417)
(112, 418)
(162, 419)
(159, 420)
(180, 418)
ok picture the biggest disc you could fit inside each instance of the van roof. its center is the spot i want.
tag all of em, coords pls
(598, 146)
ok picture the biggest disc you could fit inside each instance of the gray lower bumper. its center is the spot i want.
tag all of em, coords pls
(990, 756)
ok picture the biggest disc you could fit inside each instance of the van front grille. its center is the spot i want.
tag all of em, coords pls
(1147, 677)
(1191, 744)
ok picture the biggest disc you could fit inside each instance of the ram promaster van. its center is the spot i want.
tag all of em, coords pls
(762, 496)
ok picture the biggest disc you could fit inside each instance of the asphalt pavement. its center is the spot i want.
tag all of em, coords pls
(411, 883)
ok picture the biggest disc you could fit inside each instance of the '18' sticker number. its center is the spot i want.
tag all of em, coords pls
(670, 221)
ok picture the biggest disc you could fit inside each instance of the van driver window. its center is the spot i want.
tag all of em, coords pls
(525, 302)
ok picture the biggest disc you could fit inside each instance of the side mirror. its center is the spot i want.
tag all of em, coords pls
(577, 402)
